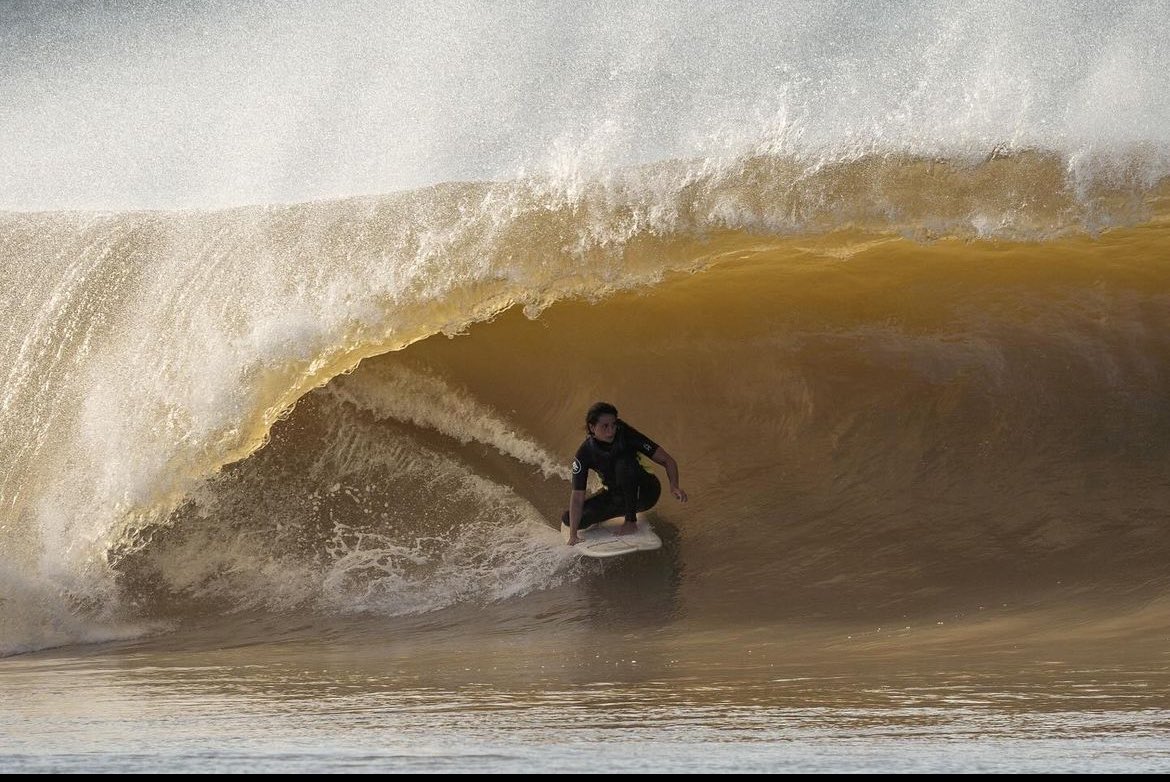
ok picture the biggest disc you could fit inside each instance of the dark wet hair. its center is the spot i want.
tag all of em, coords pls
(596, 410)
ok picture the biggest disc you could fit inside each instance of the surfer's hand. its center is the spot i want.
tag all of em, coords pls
(678, 493)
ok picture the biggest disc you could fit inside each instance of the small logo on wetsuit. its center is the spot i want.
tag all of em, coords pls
(576, 467)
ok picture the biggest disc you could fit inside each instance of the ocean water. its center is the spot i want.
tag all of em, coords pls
(299, 335)
(486, 701)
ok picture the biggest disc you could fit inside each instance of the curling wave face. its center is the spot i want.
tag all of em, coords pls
(891, 376)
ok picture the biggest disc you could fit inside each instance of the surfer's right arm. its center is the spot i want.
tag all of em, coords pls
(580, 470)
(576, 503)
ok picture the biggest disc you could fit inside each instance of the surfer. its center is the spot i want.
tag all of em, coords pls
(611, 450)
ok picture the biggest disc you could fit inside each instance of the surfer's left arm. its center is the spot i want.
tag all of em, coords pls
(666, 460)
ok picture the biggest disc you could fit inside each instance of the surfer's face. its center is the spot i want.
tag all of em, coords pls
(605, 428)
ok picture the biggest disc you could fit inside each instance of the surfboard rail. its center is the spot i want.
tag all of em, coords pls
(601, 541)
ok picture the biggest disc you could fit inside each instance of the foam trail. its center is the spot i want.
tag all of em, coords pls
(427, 400)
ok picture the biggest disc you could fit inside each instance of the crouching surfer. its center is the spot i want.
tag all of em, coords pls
(611, 450)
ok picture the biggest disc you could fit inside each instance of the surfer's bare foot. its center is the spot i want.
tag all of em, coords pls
(629, 528)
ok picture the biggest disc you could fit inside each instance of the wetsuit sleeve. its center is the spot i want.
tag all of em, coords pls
(640, 442)
(581, 465)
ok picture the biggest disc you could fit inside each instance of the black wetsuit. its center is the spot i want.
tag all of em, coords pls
(628, 487)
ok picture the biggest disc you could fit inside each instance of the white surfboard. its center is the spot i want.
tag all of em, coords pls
(601, 540)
